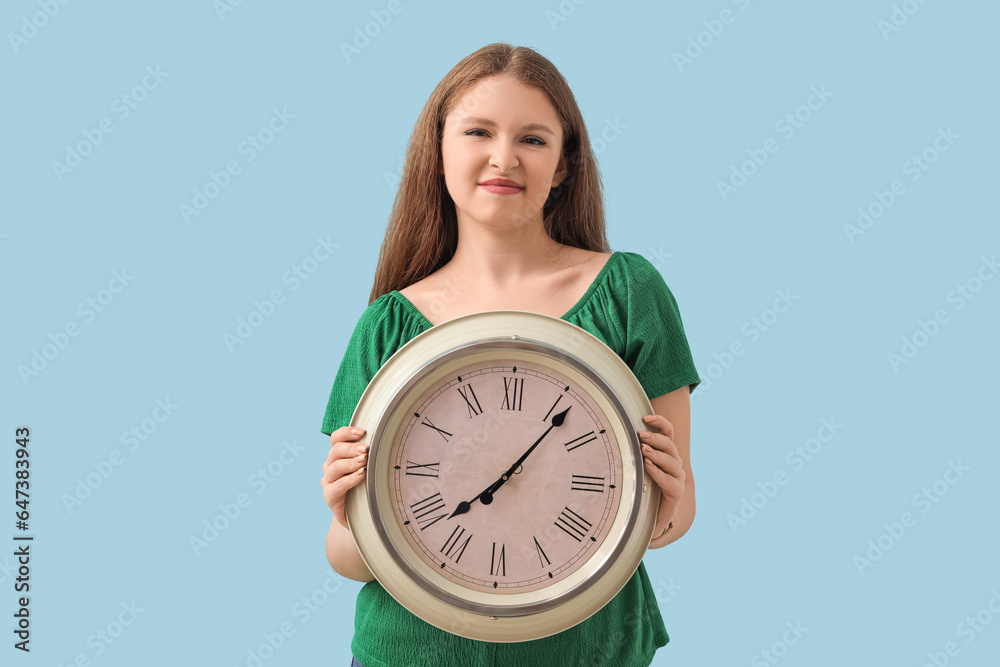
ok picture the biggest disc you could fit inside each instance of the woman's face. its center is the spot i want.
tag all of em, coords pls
(501, 129)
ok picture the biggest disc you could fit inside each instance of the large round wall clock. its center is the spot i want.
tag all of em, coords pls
(505, 497)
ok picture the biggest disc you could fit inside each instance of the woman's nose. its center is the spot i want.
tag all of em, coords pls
(504, 157)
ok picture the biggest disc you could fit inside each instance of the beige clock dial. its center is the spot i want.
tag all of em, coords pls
(463, 436)
(505, 498)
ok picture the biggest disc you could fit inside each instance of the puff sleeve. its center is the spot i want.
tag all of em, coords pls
(656, 347)
(384, 327)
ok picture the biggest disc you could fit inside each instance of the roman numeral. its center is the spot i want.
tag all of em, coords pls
(513, 393)
(573, 524)
(588, 483)
(423, 510)
(423, 469)
(498, 565)
(452, 547)
(541, 554)
(444, 434)
(580, 441)
(473, 409)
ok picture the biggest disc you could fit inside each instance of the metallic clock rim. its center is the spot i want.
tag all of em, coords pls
(518, 342)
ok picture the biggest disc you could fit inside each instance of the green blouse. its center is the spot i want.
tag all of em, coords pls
(630, 308)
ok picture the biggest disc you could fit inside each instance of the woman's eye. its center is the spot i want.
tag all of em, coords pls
(535, 141)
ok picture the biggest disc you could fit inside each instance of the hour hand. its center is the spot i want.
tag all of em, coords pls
(463, 507)
(486, 495)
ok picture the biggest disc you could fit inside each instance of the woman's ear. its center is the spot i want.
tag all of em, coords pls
(561, 171)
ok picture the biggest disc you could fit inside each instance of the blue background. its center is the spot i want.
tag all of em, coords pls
(727, 589)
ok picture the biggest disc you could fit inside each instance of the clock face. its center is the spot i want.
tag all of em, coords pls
(505, 498)
(506, 475)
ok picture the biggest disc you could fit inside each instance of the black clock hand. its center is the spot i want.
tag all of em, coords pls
(486, 495)
(557, 420)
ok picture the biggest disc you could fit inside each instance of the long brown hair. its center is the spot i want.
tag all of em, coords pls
(422, 232)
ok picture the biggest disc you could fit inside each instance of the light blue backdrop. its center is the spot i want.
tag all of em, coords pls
(844, 440)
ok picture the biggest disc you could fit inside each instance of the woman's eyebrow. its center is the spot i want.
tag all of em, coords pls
(530, 127)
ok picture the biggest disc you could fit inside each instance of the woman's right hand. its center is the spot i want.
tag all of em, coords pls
(344, 468)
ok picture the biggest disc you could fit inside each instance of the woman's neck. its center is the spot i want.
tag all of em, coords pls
(500, 260)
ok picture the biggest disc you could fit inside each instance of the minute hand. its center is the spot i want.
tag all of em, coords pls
(486, 496)
(557, 420)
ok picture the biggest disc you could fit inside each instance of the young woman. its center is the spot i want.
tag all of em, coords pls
(500, 207)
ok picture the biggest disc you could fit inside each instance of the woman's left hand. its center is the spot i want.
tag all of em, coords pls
(664, 465)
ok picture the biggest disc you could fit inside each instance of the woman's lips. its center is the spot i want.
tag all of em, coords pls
(501, 189)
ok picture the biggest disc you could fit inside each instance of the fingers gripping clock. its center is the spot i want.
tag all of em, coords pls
(505, 498)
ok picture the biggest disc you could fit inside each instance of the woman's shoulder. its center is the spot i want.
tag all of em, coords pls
(631, 284)
(379, 306)
(630, 271)
(387, 312)
(591, 257)
(416, 291)
(417, 298)
(635, 262)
